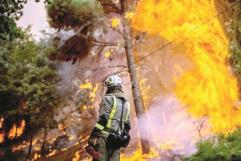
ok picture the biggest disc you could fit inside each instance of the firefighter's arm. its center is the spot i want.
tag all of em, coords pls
(104, 112)
(127, 127)
(127, 124)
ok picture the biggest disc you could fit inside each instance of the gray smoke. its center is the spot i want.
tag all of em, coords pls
(171, 128)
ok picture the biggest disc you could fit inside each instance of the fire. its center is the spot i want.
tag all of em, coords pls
(61, 127)
(92, 95)
(208, 88)
(21, 128)
(76, 156)
(17, 131)
(1, 122)
(87, 85)
(12, 132)
(21, 146)
(139, 156)
(145, 89)
(92, 89)
(36, 156)
(2, 134)
(115, 22)
(52, 153)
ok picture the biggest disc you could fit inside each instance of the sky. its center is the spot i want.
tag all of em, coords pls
(34, 15)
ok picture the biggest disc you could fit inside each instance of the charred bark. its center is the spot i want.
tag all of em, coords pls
(44, 142)
(30, 148)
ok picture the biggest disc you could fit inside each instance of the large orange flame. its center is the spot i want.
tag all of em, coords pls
(1, 122)
(17, 131)
(2, 134)
(208, 88)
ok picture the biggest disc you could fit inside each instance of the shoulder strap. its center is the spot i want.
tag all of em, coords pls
(112, 113)
(128, 111)
(120, 124)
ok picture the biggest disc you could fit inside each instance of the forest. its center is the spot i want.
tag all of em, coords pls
(180, 62)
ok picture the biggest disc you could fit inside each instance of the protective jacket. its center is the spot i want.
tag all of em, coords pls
(109, 121)
(110, 112)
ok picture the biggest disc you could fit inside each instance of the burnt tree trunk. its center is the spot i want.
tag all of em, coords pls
(44, 142)
(137, 97)
(30, 148)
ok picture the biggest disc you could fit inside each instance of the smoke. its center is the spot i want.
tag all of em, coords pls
(171, 128)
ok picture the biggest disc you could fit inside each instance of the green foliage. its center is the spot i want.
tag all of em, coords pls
(67, 14)
(236, 60)
(28, 82)
(9, 11)
(83, 16)
(222, 149)
(12, 8)
(8, 29)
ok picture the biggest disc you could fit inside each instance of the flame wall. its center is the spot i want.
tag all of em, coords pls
(208, 88)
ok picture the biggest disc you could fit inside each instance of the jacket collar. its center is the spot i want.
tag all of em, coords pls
(117, 93)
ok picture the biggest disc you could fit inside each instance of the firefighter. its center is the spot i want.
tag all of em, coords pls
(113, 121)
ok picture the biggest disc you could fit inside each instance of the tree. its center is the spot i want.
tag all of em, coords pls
(68, 14)
(225, 148)
(138, 101)
(28, 84)
(12, 8)
(8, 29)
(10, 11)
(82, 16)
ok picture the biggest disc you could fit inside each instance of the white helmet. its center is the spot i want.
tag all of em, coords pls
(113, 80)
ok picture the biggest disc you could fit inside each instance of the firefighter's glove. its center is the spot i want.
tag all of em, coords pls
(93, 136)
(95, 132)
(127, 127)
(103, 119)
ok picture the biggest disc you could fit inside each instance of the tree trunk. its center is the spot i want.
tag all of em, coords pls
(30, 148)
(138, 101)
(237, 21)
(44, 141)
